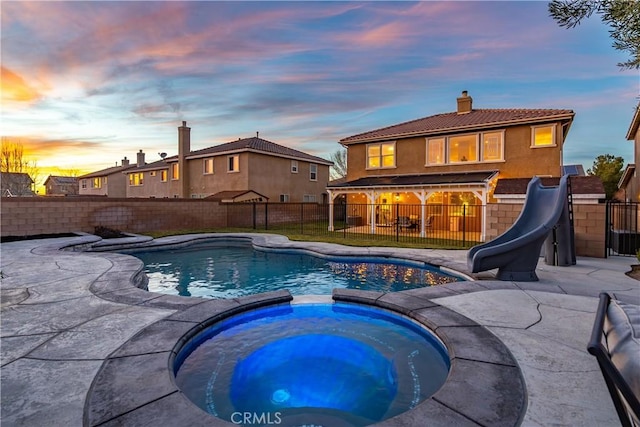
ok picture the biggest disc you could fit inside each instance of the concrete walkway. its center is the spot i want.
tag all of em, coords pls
(58, 325)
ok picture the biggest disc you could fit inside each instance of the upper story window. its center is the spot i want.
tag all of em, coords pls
(435, 151)
(208, 166)
(466, 148)
(233, 163)
(463, 148)
(175, 171)
(284, 198)
(382, 155)
(294, 166)
(309, 198)
(136, 179)
(96, 183)
(313, 172)
(543, 136)
(163, 175)
(152, 173)
(492, 146)
(84, 183)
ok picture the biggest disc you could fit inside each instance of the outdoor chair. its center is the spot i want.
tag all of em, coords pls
(615, 342)
(405, 223)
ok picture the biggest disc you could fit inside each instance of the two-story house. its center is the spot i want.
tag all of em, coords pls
(629, 184)
(110, 182)
(61, 185)
(446, 165)
(16, 184)
(249, 169)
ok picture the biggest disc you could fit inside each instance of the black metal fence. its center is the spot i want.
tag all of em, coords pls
(428, 225)
(622, 236)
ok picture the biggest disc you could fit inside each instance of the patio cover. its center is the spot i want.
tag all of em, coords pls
(421, 180)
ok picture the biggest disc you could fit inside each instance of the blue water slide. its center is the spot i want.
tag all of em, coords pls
(515, 253)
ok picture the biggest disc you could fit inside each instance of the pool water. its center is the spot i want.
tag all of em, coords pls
(326, 365)
(230, 271)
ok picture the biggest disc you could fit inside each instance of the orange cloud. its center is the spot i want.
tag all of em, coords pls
(15, 88)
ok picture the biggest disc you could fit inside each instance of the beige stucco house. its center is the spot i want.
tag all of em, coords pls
(249, 169)
(110, 182)
(440, 170)
(629, 184)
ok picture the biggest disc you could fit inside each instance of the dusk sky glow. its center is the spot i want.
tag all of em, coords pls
(86, 83)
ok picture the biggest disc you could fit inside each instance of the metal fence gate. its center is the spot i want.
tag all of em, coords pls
(622, 236)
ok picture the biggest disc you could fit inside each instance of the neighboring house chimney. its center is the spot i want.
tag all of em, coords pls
(125, 162)
(464, 103)
(140, 158)
(184, 148)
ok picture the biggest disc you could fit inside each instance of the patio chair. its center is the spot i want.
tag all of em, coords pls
(405, 223)
(615, 342)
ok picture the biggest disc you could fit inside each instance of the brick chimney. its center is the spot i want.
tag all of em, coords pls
(464, 103)
(140, 159)
(125, 162)
(184, 148)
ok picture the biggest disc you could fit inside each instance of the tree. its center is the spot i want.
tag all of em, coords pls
(609, 169)
(12, 159)
(339, 168)
(622, 16)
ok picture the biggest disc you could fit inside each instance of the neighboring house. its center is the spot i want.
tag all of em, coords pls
(61, 186)
(14, 184)
(629, 184)
(584, 189)
(251, 167)
(450, 160)
(110, 182)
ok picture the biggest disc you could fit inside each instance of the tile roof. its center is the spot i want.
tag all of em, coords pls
(579, 185)
(450, 122)
(417, 180)
(157, 165)
(229, 194)
(108, 171)
(62, 179)
(259, 144)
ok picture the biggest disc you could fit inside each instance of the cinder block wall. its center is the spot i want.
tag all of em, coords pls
(588, 222)
(27, 216)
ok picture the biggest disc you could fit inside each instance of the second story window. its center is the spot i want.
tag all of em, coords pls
(294, 166)
(163, 175)
(309, 198)
(97, 183)
(175, 171)
(84, 183)
(208, 166)
(435, 151)
(463, 148)
(233, 163)
(492, 146)
(543, 136)
(313, 172)
(381, 155)
(136, 179)
(284, 198)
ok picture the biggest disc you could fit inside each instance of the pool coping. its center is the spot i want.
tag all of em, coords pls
(135, 384)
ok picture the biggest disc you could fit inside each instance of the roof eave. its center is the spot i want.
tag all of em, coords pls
(346, 141)
(635, 123)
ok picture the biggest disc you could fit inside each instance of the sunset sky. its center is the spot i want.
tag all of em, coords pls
(86, 83)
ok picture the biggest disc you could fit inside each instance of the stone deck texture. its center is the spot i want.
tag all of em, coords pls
(81, 345)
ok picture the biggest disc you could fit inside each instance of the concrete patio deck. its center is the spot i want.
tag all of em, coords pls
(64, 313)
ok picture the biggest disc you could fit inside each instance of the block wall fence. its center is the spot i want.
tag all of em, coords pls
(588, 225)
(26, 216)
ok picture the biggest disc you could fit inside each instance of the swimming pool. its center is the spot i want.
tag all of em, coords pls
(312, 364)
(232, 269)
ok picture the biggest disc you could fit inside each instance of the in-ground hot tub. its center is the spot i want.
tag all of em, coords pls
(311, 364)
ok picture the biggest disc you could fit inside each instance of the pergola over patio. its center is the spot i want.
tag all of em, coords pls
(419, 187)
